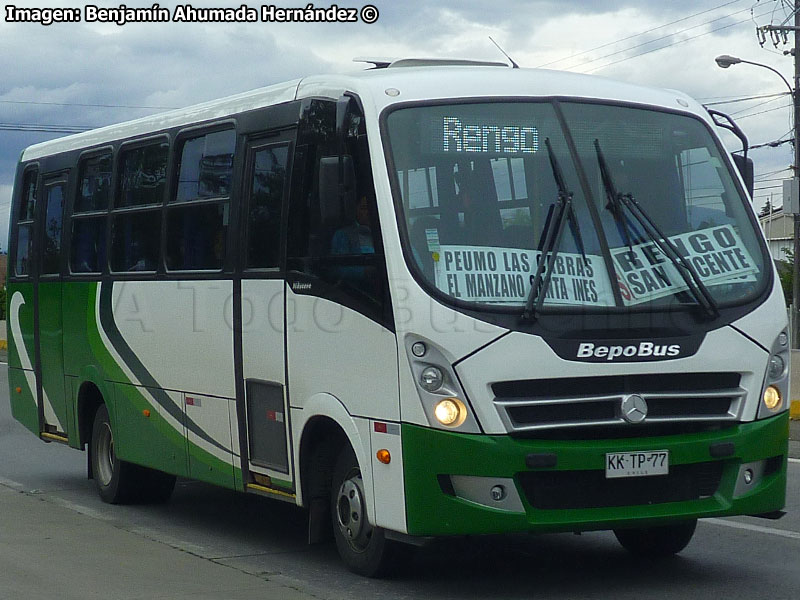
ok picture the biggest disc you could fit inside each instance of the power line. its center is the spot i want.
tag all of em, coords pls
(744, 99)
(663, 37)
(35, 127)
(763, 102)
(694, 37)
(772, 144)
(638, 34)
(85, 105)
(773, 172)
(771, 180)
(761, 112)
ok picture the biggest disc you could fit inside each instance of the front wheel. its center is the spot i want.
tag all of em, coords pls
(363, 548)
(657, 542)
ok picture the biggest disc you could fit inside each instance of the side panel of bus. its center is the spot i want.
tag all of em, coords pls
(21, 374)
(20, 297)
(36, 354)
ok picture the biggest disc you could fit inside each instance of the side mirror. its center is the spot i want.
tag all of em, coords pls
(334, 201)
(745, 167)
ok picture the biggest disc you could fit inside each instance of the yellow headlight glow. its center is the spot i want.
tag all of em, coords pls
(772, 398)
(450, 412)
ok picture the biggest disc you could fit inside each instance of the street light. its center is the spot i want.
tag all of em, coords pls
(725, 61)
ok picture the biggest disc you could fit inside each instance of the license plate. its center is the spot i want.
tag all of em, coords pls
(637, 464)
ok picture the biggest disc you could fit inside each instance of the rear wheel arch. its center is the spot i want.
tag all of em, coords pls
(90, 398)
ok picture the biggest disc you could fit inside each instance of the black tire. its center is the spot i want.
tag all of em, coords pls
(153, 487)
(657, 542)
(120, 482)
(363, 548)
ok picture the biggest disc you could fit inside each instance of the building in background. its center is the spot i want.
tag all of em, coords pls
(778, 229)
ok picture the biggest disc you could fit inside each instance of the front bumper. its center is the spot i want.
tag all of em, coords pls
(432, 456)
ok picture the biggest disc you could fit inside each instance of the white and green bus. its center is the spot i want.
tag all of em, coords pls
(423, 300)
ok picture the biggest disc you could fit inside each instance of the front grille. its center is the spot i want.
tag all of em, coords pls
(541, 404)
(619, 432)
(549, 490)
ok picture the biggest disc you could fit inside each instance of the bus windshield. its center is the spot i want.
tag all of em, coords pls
(480, 186)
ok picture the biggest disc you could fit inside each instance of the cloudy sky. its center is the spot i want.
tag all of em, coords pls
(87, 75)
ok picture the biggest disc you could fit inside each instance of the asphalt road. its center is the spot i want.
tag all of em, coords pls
(57, 539)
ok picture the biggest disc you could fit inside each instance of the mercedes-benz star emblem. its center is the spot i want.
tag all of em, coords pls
(633, 408)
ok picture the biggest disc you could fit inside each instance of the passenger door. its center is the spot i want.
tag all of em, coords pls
(48, 326)
(263, 413)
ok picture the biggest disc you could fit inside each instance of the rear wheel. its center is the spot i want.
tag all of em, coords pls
(363, 548)
(120, 482)
(154, 487)
(657, 542)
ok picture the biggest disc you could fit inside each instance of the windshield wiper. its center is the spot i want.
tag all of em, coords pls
(614, 202)
(617, 201)
(553, 232)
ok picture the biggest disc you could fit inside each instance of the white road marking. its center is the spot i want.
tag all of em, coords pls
(792, 535)
(795, 460)
(79, 508)
(10, 483)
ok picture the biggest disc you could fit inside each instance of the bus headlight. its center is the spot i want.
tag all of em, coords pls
(776, 366)
(772, 398)
(450, 412)
(775, 391)
(431, 379)
(444, 401)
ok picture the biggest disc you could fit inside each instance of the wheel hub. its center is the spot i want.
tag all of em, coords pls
(105, 455)
(350, 512)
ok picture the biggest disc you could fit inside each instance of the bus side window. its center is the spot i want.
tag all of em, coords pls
(24, 240)
(88, 246)
(135, 240)
(88, 254)
(53, 219)
(199, 214)
(135, 235)
(336, 238)
(266, 201)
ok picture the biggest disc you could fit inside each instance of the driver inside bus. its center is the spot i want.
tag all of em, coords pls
(355, 238)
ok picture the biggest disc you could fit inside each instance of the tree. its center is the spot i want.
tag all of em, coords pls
(785, 273)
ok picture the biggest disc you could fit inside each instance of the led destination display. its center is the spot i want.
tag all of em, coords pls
(483, 137)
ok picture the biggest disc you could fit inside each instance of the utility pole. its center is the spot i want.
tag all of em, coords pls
(780, 33)
(795, 332)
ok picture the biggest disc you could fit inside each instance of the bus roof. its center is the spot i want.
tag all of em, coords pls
(412, 83)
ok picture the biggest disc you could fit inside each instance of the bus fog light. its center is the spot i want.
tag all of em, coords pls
(776, 366)
(772, 398)
(419, 349)
(748, 476)
(450, 412)
(498, 493)
(783, 338)
(431, 379)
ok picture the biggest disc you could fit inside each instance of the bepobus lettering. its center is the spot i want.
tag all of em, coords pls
(641, 350)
